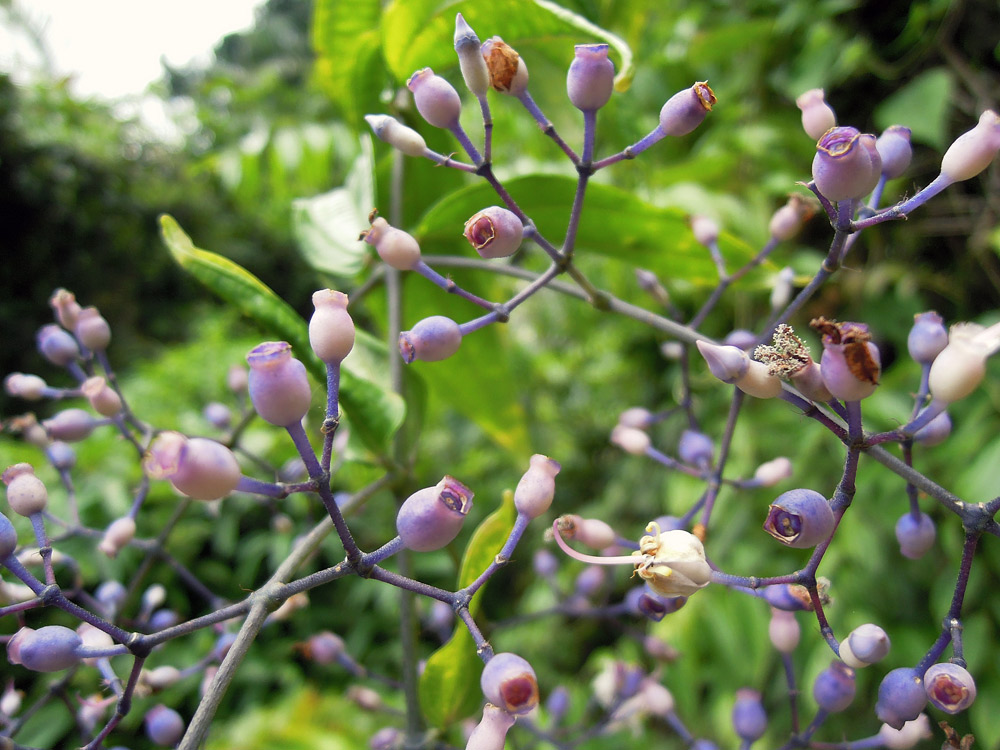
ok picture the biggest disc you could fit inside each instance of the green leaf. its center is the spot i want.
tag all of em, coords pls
(326, 226)
(614, 223)
(922, 105)
(420, 33)
(348, 63)
(449, 686)
(375, 412)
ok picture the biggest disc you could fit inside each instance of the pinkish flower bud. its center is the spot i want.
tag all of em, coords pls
(470, 58)
(817, 115)
(70, 425)
(394, 246)
(591, 77)
(706, 230)
(279, 388)
(590, 531)
(537, 487)
(686, 109)
(908, 736)
(28, 387)
(117, 536)
(894, 148)
(961, 365)
(788, 220)
(636, 417)
(864, 645)
(56, 345)
(973, 151)
(436, 99)
(432, 517)
(397, 135)
(331, 329)
(495, 232)
(92, 330)
(63, 303)
(846, 165)
(26, 493)
(928, 337)
(695, 448)
(101, 396)
(431, 340)
(784, 630)
(851, 364)
(774, 471)
(491, 732)
(237, 378)
(508, 681)
(630, 439)
(508, 73)
(197, 467)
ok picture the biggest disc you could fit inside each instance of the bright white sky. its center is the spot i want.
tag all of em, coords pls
(113, 47)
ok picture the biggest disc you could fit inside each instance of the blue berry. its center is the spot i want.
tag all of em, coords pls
(749, 717)
(834, 687)
(800, 518)
(49, 649)
(164, 726)
(901, 697)
(915, 535)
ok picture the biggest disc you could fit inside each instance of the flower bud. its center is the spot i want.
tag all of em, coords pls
(218, 415)
(386, 738)
(279, 388)
(66, 308)
(394, 246)
(495, 232)
(117, 536)
(901, 697)
(56, 345)
(908, 736)
(846, 165)
(470, 58)
(706, 230)
(508, 73)
(26, 493)
(324, 647)
(894, 148)
(8, 537)
(636, 417)
(934, 432)
(161, 678)
(396, 134)
(686, 109)
(28, 387)
(788, 220)
(537, 487)
(331, 329)
(508, 681)
(928, 337)
(817, 115)
(430, 518)
(695, 448)
(973, 151)
(491, 732)
(851, 363)
(62, 455)
(864, 645)
(94, 639)
(436, 99)
(961, 365)
(749, 718)
(197, 467)
(949, 687)
(784, 630)
(544, 563)
(835, 687)
(732, 365)
(784, 285)
(590, 531)
(103, 399)
(10, 700)
(237, 378)
(771, 472)
(800, 518)
(591, 77)
(48, 649)
(431, 340)
(673, 562)
(92, 330)
(630, 439)
(915, 535)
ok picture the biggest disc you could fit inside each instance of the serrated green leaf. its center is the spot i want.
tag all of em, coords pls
(922, 105)
(449, 686)
(614, 223)
(374, 411)
(419, 33)
(326, 226)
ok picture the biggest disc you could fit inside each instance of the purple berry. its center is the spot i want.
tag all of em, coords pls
(847, 164)
(544, 563)
(591, 77)
(92, 330)
(834, 687)
(915, 535)
(324, 647)
(430, 518)
(218, 415)
(686, 109)
(436, 99)
(431, 340)
(8, 537)
(49, 649)
(57, 345)
(655, 607)
(934, 432)
(509, 682)
(164, 726)
(894, 148)
(695, 448)
(928, 337)
(800, 518)
(557, 704)
(789, 597)
(949, 687)
(197, 467)
(70, 425)
(387, 738)
(537, 487)
(901, 697)
(749, 718)
(494, 232)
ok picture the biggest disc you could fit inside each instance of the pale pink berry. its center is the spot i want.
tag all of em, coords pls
(197, 467)
(117, 536)
(331, 329)
(394, 246)
(687, 109)
(26, 493)
(436, 99)
(103, 399)
(92, 330)
(536, 488)
(397, 135)
(279, 388)
(591, 77)
(973, 151)
(494, 232)
(817, 115)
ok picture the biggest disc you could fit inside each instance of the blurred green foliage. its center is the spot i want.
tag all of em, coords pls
(279, 119)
